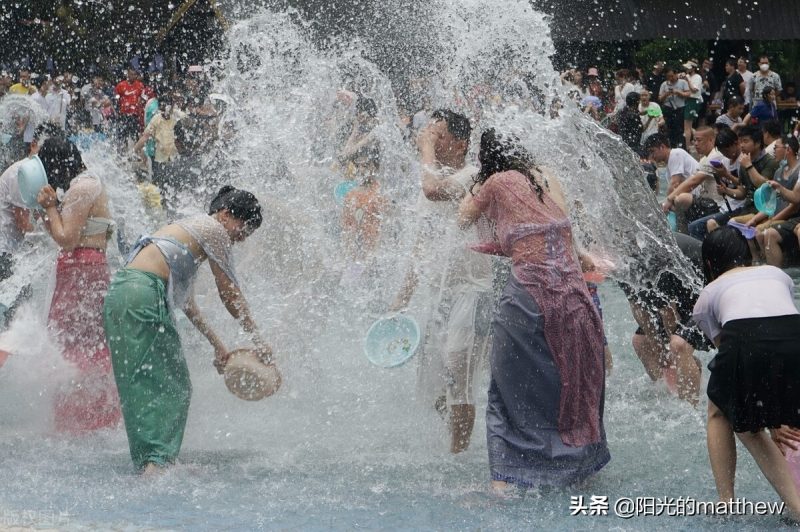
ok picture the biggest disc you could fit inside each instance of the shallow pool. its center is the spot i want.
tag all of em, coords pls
(342, 456)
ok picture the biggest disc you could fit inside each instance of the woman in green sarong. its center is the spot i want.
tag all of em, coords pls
(149, 367)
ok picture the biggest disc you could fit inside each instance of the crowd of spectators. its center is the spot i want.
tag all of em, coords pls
(140, 113)
(718, 139)
(677, 99)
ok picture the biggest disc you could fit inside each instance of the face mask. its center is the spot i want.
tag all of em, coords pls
(764, 67)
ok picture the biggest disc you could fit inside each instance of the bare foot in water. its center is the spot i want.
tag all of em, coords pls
(151, 470)
(502, 489)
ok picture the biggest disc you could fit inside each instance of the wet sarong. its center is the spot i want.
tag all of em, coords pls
(89, 401)
(522, 417)
(149, 367)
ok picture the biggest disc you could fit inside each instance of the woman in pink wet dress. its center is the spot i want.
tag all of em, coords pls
(545, 413)
(80, 224)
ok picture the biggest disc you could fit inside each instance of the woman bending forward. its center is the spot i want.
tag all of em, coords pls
(149, 367)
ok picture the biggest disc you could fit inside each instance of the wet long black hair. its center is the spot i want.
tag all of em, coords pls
(61, 160)
(241, 204)
(723, 250)
(501, 153)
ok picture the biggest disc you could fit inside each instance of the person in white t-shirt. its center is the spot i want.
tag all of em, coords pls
(58, 100)
(694, 102)
(41, 107)
(747, 76)
(623, 87)
(651, 115)
(680, 165)
(458, 281)
(771, 130)
(697, 196)
(750, 315)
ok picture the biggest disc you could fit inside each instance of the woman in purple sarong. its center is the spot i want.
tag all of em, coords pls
(545, 413)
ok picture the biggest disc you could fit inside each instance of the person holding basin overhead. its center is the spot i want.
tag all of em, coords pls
(544, 419)
(15, 214)
(149, 367)
(80, 223)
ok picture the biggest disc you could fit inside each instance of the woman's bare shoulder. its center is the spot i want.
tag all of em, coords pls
(553, 185)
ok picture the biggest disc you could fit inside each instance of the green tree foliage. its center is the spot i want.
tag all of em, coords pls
(672, 51)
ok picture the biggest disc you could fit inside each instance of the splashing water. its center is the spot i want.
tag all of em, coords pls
(344, 444)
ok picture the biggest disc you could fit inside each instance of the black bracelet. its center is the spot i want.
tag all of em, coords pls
(747, 168)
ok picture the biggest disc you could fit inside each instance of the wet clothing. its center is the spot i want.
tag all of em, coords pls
(630, 127)
(788, 178)
(755, 376)
(592, 287)
(362, 214)
(669, 289)
(545, 412)
(762, 292)
(96, 225)
(789, 243)
(10, 199)
(182, 266)
(162, 130)
(458, 282)
(90, 401)
(149, 367)
(214, 241)
(526, 392)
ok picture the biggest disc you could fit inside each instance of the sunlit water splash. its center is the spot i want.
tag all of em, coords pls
(344, 444)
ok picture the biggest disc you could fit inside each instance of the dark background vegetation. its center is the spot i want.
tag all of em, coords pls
(94, 35)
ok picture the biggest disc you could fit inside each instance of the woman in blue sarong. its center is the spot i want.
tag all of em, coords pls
(545, 413)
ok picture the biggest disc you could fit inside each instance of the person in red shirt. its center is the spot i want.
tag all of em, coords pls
(131, 106)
